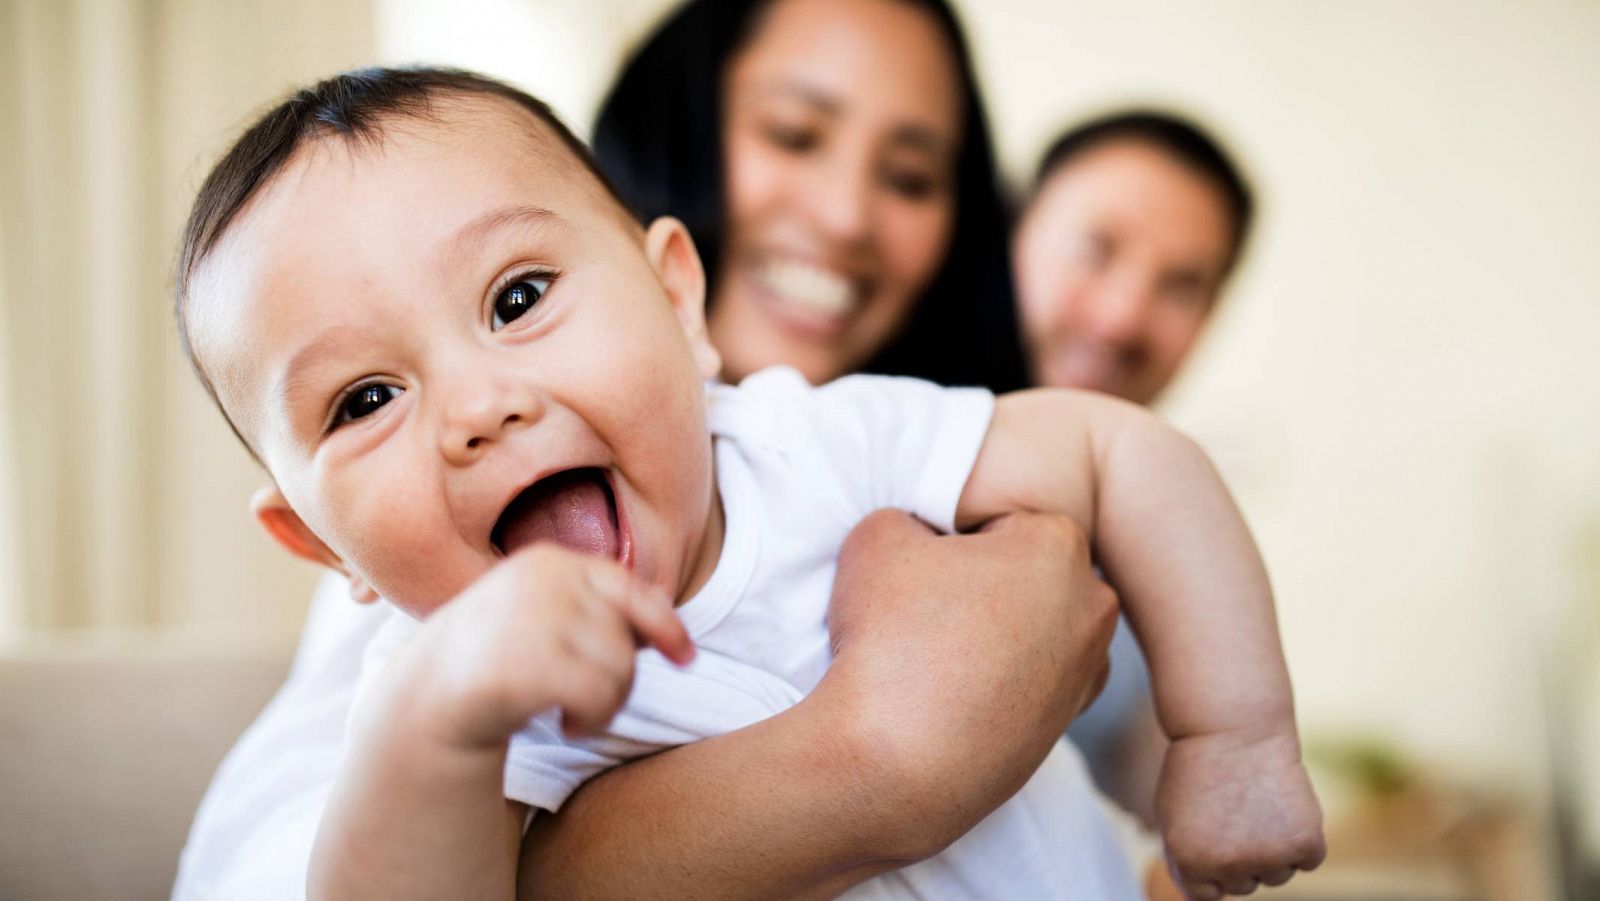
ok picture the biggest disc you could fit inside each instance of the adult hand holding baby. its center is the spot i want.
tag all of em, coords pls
(970, 671)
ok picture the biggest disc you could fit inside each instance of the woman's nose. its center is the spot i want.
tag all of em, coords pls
(841, 198)
(481, 411)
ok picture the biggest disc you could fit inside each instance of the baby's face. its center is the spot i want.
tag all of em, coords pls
(450, 344)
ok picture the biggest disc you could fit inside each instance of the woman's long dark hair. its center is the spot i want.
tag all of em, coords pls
(658, 138)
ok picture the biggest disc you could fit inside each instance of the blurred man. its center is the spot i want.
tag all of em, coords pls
(1135, 223)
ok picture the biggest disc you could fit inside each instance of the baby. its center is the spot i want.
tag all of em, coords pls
(483, 393)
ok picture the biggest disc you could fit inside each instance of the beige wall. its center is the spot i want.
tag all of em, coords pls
(130, 492)
(229, 60)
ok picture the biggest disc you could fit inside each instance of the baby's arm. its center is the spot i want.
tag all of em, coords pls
(419, 809)
(1235, 804)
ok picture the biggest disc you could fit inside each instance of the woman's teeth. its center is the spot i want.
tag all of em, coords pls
(810, 288)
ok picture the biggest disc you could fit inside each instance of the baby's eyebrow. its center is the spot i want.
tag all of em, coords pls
(293, 380)
(522, 216)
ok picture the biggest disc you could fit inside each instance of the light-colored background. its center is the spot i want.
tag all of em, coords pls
(1400, 386)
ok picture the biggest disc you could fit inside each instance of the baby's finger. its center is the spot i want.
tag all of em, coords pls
(588, 696)
(1196, 890)
(1193, 889)
(1240, 885)
(655, 622)
(647, 609)
(605, 646)
(609, 580)
(1278, 876)
(1314, 856)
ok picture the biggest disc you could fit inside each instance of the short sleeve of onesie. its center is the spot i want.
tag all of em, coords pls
(899, 442)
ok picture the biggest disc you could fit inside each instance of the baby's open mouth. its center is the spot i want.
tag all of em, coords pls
(575, 509)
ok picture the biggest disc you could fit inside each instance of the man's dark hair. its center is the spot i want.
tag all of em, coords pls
(354, 106)
(659, 137)
(1173, 135)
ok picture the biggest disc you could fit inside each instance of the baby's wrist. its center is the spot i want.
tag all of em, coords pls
(1244, 726)
(431, 699)
(399, 745)
(464, 704)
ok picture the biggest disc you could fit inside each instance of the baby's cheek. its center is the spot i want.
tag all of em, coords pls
(403, 546)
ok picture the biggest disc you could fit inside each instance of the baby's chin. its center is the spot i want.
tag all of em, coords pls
(422, 596)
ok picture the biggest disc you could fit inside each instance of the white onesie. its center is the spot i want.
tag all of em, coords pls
(797, 468)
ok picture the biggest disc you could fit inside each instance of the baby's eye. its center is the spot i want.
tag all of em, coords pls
(517, 298)
(364, 401)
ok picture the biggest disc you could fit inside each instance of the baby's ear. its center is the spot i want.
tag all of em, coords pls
(291, 533)
(671, 253)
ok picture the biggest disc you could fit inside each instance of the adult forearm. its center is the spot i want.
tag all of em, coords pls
(794, 806)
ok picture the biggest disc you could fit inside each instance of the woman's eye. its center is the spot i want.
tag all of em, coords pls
(794, 140)
(910, 185)
(364, 401)
(518, 298)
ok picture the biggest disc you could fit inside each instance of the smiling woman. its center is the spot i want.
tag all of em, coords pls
(833, 164)
(840, 148)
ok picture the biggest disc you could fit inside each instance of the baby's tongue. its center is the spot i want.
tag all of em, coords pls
(572, 509)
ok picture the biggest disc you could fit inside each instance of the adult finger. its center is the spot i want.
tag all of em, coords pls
(884, 528)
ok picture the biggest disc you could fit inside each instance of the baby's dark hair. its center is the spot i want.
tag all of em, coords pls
(354, 106)
(1173, 135)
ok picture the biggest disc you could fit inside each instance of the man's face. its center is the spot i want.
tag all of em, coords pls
(1118, 263)
(450, 343)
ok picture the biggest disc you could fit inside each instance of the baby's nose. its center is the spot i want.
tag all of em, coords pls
(475, 418)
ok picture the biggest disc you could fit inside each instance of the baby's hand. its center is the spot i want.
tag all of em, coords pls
(547, 627)
(1237, 811)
